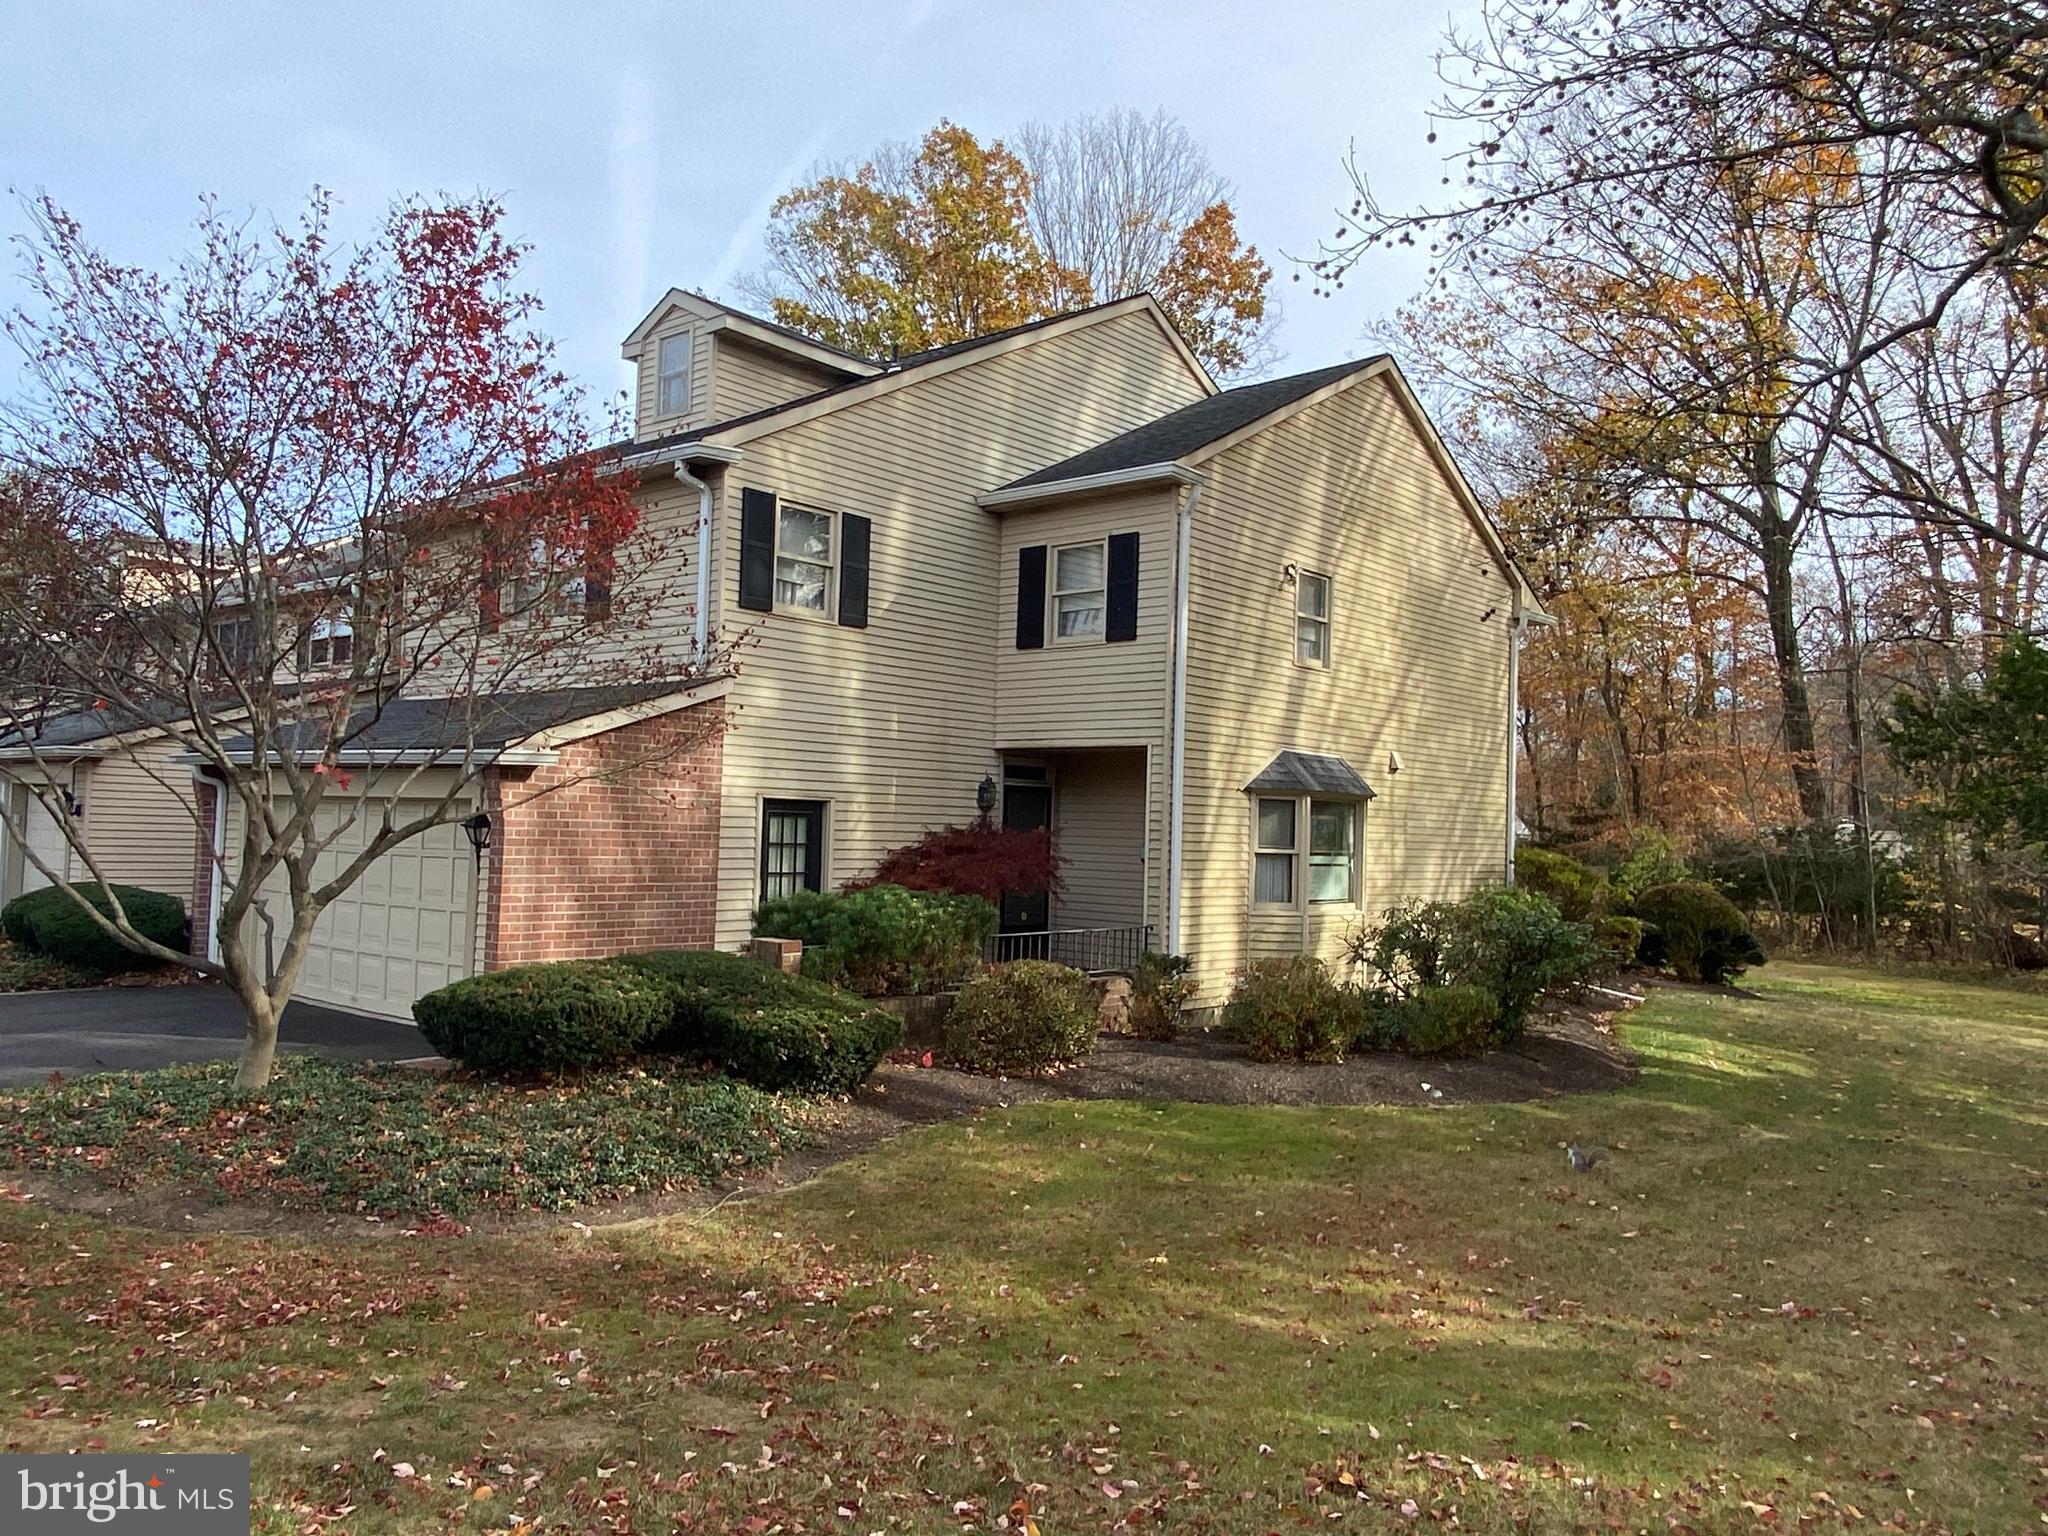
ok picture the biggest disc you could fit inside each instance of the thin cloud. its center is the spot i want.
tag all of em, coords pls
(749, 228)
(631, 172)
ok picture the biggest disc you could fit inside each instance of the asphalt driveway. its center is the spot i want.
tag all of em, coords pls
(111, 1029)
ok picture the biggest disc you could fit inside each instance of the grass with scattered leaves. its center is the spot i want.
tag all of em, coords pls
(343, 1136)
(1806, 1291)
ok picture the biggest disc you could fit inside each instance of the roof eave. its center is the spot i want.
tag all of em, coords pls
(1171, 472)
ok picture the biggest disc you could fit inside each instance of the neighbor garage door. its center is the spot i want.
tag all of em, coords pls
(403, 929)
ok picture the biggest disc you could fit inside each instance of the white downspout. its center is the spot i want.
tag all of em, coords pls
(1176, 800)
(701, 633)
(1516, 629)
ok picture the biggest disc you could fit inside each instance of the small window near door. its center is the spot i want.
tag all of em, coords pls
(1332, 850)
(1273, 862)
(672, 375)
(1312, 619)
(792, 847)
(1080, 591)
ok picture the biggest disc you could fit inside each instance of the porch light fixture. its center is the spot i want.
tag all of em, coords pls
(985, 794)
(477, 829)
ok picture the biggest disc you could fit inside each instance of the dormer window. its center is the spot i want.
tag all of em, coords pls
(672, 375)
(330, 643)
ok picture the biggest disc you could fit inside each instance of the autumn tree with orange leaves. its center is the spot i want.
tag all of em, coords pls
(922, 248)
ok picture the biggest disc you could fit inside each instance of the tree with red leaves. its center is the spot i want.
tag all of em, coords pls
(979, 859)
(256, 498)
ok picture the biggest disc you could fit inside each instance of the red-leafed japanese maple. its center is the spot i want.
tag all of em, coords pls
(979, 859)
(253, 500)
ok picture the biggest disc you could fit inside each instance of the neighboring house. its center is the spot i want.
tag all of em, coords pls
(124, 789)
(1249, 654)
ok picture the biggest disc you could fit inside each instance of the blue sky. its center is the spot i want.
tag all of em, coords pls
(638, 144)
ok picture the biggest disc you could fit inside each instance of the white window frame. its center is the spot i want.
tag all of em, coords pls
(830, 564)
(1303, 582)
(672, 385)
(544, 579)
(1100, 592)
(1291, 851)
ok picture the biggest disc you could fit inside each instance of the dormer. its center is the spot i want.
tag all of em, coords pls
(697, 361)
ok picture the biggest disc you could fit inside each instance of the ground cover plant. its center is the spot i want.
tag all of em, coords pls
(1803, 1292)
(339, 1136)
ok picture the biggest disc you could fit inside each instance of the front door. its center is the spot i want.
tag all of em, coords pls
(1027, 807)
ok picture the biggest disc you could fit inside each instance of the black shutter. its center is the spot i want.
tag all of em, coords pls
(598, 565)
(1121, 621)
(1031, 597)
(853, 570)
(757, 550)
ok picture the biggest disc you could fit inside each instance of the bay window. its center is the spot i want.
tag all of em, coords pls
(1293, 832)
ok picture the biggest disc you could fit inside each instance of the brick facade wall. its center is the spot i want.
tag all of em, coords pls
(622, 856)
(206, 798)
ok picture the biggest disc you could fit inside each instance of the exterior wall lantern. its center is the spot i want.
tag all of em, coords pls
(985, 794)
(477, 829)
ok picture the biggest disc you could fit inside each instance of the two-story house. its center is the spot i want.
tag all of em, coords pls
(1249, 653)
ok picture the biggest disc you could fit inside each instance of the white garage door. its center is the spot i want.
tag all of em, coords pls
(404, 928)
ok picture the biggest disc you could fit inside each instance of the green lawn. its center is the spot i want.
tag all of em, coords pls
(1806, 1293)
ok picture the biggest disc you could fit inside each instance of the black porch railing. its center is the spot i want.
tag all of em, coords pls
(1095, 950)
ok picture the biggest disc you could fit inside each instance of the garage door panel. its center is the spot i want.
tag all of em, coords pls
(402, 930)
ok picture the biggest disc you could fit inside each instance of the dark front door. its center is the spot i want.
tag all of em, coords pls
(1027, 807)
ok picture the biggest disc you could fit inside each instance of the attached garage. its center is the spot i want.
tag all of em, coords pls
(601, 809)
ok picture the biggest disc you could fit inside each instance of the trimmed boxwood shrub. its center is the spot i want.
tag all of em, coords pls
(1290, 1008)
(1697, 931)
(1457, 1020)
(1505, 939)
(1578, 891)
(1021, 1017)
(51, 923)
(764, 1027)
(1619, 939)
(882, 938)
(546, 1018)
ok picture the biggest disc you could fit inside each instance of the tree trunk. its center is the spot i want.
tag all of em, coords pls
(259, 1042)
(1795, 705)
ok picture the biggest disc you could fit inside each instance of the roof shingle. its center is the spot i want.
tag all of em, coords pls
(1181, 432)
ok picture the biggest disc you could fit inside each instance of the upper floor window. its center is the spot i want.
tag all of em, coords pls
(803, 560)
(1080, 591)
(672, 375)
(1312, 619)
(330, 643)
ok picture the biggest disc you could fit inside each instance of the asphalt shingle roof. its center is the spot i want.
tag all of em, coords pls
(1311, 773)
(1181, 432)
(488, 721)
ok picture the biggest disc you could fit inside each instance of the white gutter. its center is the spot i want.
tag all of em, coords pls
(1078, 485)
(1177, 772)
(443, 757)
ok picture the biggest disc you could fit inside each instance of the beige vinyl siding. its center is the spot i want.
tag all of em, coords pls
(1088, 692)
(746, 378)
(896, 724)
(1101, 814)
(647, 420)
(1419, 667)
(138, 816)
